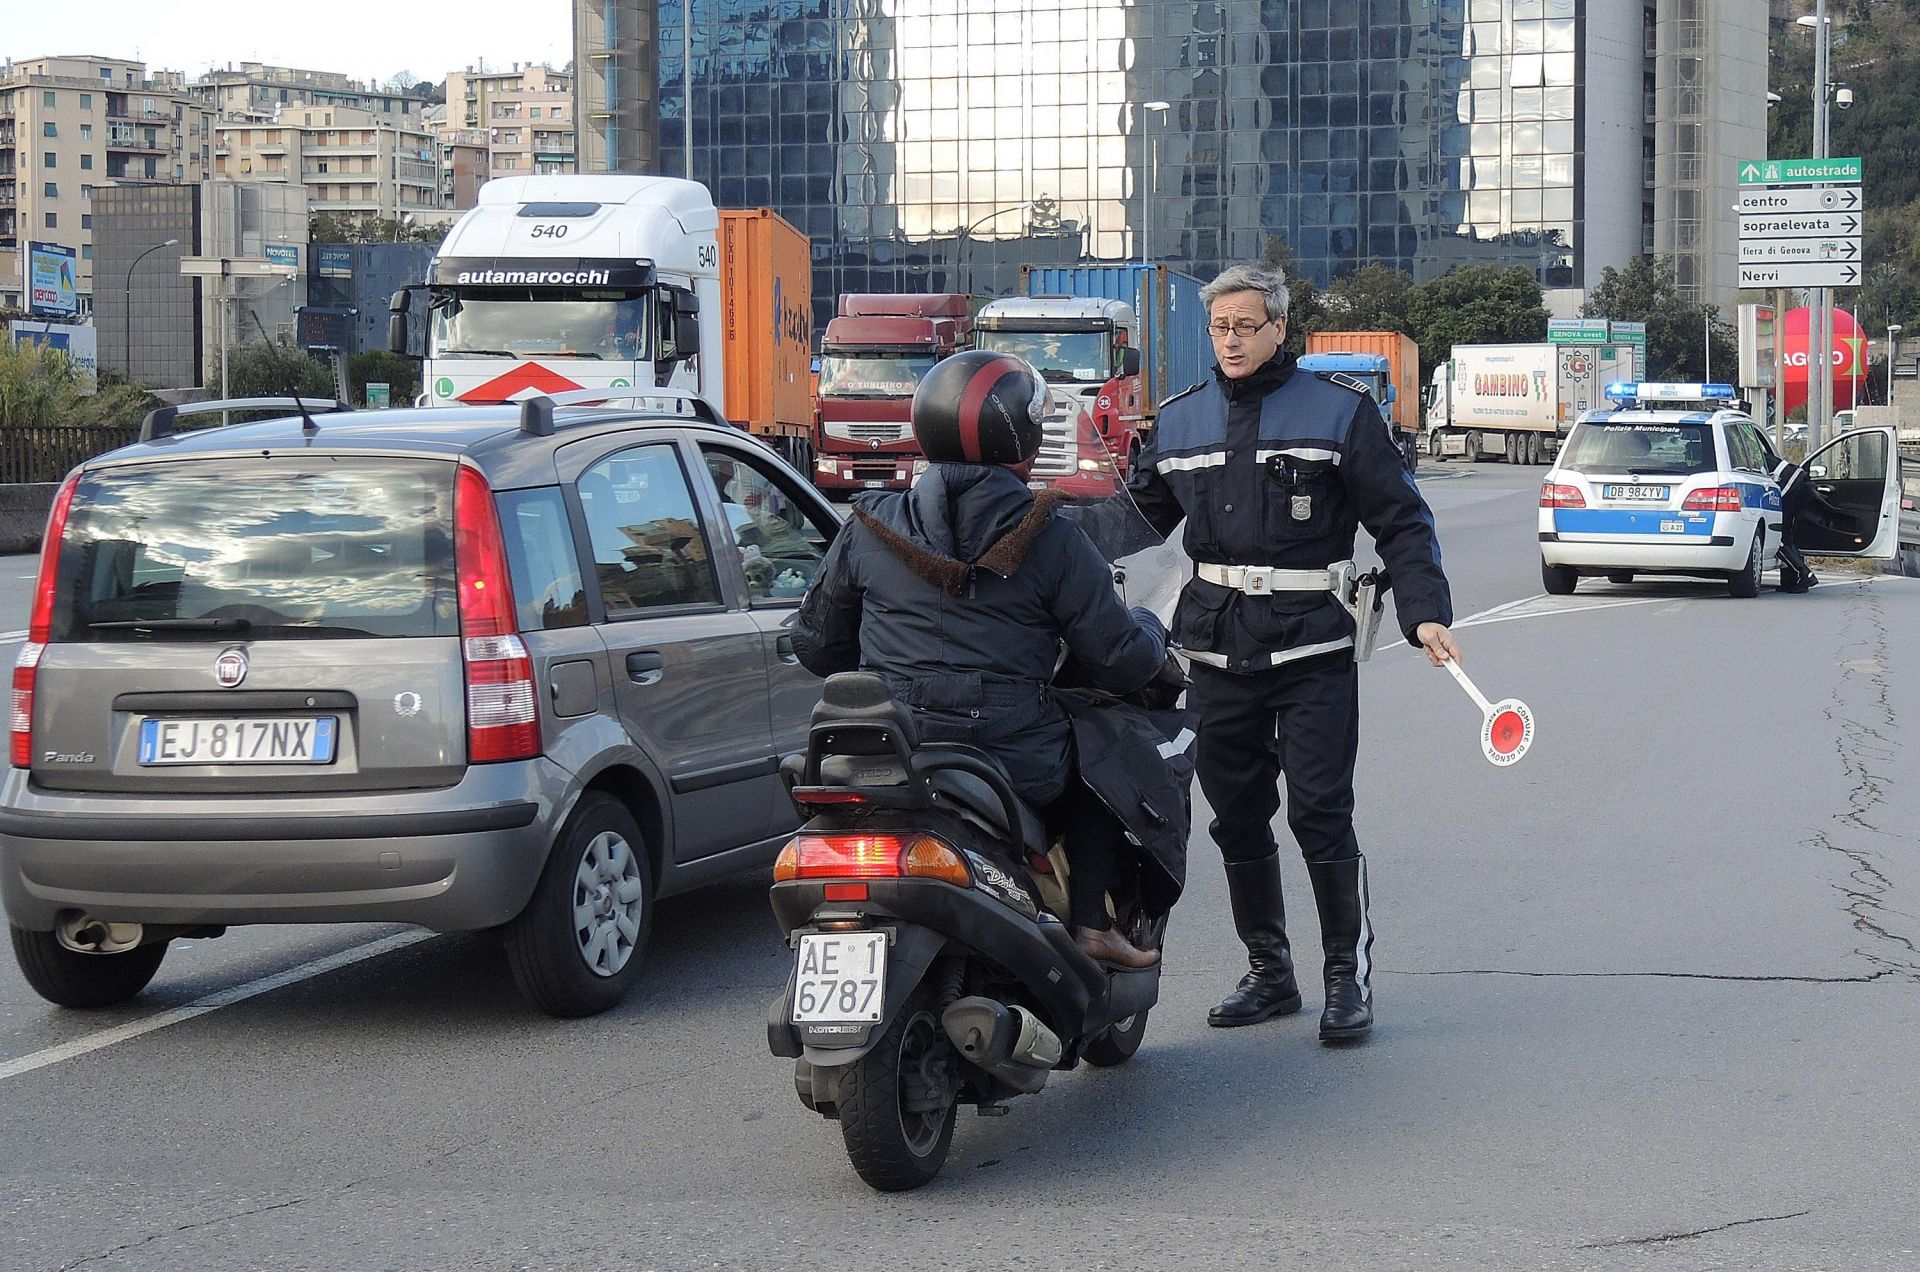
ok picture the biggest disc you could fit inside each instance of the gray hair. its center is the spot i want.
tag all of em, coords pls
(1270, 283)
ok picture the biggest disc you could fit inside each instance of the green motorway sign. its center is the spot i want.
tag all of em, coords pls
(1799, 171)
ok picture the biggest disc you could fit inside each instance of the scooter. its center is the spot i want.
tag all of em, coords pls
(932, 967)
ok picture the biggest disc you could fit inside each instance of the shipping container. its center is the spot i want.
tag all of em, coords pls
(1403, 363)
(1171, 324)
(766, 298)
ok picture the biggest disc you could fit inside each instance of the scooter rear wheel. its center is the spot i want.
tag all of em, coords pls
(897, 1103)
(1117, 1043)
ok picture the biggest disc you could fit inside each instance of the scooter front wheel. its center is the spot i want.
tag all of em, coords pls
(897, 1103)
(1117, 1042)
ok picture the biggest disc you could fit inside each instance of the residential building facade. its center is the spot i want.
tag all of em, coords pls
(257, 91)
(73, 125)
(531, 130)
(1556, 135)
(353, 164)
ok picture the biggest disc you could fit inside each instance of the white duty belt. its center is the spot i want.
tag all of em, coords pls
(1265, 580)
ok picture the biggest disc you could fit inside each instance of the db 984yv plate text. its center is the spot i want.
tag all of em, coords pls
(840, 978)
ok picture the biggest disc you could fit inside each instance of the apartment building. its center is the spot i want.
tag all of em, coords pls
(355, 164)
(72, 124)
(531, 130)
(255, 91)
(470, 93)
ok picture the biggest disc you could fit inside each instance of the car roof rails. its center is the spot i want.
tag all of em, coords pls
(536, 413)
(159, 421)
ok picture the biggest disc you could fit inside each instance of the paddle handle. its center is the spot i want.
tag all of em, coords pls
(1486, 708)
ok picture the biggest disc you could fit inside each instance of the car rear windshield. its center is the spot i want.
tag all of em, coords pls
(1665, 447)
(306, 546)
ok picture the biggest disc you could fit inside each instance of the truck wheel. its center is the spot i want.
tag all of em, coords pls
(1433, 448)
(1559, 580)
(1473, 447)
(576, 949)
(1533, 449)
(73, 979)
(1745, 583)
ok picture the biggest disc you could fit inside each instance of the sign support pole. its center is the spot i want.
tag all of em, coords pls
(1780, 370)
(1820, 342)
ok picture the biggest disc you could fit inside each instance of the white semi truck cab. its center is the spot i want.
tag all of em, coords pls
(559, 282)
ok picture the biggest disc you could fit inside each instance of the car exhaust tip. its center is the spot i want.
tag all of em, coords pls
(84, 934)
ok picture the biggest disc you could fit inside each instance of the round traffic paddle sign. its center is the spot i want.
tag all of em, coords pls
(1506, 727)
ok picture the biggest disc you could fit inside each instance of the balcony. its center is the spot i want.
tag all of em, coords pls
(7, 197)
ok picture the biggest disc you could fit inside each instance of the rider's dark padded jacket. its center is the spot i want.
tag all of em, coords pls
(1280, 468)
(959, 592)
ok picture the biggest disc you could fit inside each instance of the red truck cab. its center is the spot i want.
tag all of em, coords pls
(872, 358)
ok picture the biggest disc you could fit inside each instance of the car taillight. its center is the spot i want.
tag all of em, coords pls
(884, 855)
(503, 718)
(1554, 495)
(26, 667)
(1713, 499)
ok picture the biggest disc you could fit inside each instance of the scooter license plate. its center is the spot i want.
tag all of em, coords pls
(840, 978)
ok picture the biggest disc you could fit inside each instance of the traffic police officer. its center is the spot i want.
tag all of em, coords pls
(1795, 574)
(1272, 468)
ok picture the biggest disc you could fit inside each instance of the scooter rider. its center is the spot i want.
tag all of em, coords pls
(1272, 469)
(959, 591)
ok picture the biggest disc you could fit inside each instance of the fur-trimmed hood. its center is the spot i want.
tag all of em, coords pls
(959, 518)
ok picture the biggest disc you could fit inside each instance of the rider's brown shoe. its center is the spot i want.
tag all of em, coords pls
(1104, 945)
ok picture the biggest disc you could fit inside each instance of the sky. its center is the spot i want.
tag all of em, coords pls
(366, 39)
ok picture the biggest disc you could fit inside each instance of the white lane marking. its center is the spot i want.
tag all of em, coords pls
(1482, 621)
(211, 1002)
(19, 635)
(1499, 609)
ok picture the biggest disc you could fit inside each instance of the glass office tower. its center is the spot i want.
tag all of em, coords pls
(933, 145)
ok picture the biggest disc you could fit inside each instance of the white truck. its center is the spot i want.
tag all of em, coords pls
(552, 283)
(1515, 402)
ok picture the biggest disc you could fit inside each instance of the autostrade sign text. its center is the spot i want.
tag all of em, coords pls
(470, 271)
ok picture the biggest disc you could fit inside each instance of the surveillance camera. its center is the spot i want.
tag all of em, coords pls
(1843, 97)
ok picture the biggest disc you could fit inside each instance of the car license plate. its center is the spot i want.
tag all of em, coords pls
(1635, 492)
(1673, 527)
(207, 740)
(874, 485)
(841, 978)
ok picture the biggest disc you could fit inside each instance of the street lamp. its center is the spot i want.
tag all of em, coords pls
(966, 269)
(126, 362)
(1153, 188)
(1893, 355)
(1820, 328)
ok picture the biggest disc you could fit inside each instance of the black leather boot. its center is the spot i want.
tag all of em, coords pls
(1340, 892)
(1259, 916)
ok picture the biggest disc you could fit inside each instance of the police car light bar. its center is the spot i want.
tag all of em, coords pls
(1628, 391)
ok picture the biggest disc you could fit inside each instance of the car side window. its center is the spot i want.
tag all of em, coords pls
(780, 545)
(649, 549)
(1743, 453)
(547, 588)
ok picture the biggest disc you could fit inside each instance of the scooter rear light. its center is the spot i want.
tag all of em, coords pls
(907, 854)
(817, 795)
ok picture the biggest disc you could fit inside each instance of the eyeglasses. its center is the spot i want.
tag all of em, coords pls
(1242, 329)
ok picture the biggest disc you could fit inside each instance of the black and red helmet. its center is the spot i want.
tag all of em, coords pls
(980, 407)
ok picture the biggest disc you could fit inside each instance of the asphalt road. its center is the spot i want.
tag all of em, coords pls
(1647, 1000)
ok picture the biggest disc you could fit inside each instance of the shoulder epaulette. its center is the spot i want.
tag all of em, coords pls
(1191, 388)
(1344, 380)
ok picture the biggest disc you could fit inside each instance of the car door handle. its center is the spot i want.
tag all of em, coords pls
(784, 648)
(645, 668)
(1823, 490)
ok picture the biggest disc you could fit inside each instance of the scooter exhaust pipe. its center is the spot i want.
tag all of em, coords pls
(1010, 1043)
(84, 934)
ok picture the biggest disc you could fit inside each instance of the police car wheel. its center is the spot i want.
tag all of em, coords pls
(1559, 580)
(1745, 584)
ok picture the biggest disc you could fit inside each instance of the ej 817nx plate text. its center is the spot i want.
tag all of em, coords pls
(286, 740)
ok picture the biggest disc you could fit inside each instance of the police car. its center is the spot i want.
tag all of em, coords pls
(1677, 481)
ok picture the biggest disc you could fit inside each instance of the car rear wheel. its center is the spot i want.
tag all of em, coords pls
(1559, 580)
(1746, 583)
(576, 948)
(73, 979)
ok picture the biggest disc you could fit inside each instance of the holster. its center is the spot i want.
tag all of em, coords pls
(1365, 597)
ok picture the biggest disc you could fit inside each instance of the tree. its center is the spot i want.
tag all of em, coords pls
(1371, 298)
(324, 227)
(1303, 296)
(378, 366)
(271, 370)
(1475, 304)
(1645, 291)
(42, 386)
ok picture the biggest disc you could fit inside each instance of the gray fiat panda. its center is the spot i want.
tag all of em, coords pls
(505, 667)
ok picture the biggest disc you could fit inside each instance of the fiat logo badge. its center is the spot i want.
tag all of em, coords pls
(230, 668)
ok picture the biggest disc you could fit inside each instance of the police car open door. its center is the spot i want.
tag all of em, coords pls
(1854, 509)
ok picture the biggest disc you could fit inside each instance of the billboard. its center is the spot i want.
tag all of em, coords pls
(287, 254)
(54, 280)
(80, 344)
(333, 260)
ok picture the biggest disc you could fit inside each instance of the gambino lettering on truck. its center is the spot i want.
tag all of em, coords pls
(469, 271)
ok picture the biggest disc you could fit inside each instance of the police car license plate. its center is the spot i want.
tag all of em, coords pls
(1673, 527)
(212, 740)
(840, 978)
(1635, 492)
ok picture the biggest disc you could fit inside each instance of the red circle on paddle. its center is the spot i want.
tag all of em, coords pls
(1507, 732)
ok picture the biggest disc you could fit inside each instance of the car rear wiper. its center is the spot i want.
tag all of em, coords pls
(173, 625)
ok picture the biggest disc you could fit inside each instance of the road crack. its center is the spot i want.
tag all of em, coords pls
(1666, 1237)
(151, 1237)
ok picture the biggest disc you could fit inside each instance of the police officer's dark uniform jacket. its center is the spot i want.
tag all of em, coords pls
(1279, 469)
(1795, 574)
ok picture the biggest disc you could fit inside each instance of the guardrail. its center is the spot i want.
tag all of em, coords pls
(32, 453)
